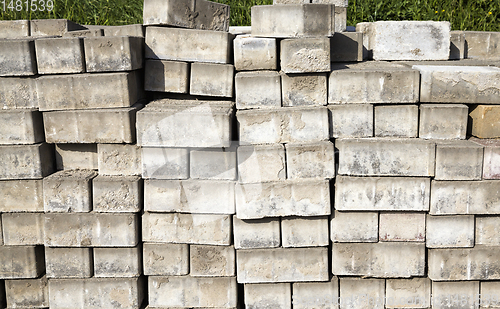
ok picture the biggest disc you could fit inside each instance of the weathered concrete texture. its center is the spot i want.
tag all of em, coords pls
(210, 79)
(59, 55)
(186, 228)
(304, 232)
(282, 265)
(283, 198)
(27, 293)
(21, 262)
(459, 84)
(460, 295)
(88, 91)
(117, 194)
(489, 293)
(491, 162)
(197, 14)
(293, 20)
(17, 57)
(323, 295)
(268, 295)
(84, 33)
(91, 230)
(165, 259)
(213, 163)
(111, 54)
(487, 231)
(357, 293)
(52, 27)
(261, 163)
(449, 231)
(165, 163)
(351, 120)
(116, 125)
(383, 259)
(117, 262)
(402, 226)
(373, 82)
(483, 45)
(443, 121)
(485, 121)
(457, 45)
(396, 120)
(20, 229)
(26, 161)
(192, 45)
(69, 262)
(10, 29)
(212, 261)
(95, 293)
(346, 46)
(465, 197)
(304, 89)
(21, 126)
(189, 196)
(305, 55)
(68, 191)
(76, 156)
(408, 293)
(340, 19)
(257, 233)
(260, 89)
(187, 291)
(166, 76)
(283, 125)
(115, 159)
(459, 160)
(21, 196)
(18, 92)
(311, 160)
(130, 30)
(386, 157)
(354, 227)
(252, 53)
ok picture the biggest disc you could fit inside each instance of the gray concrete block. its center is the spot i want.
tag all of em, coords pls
(21, 126)
(487, 231)
(386, 157)
(18, 92)
(482, 45)
(459, 160)
(302, 198)
(305, 55)
(21, 262)
(52, 27)
(304, 89)
(261, 163)
(186, 228)
(237, 30)
(489, 292)
(293, 20)
(382, 260)
(117, 194)
(382, 193)
(407, 227)
(27, 293)
(116, 159)
(460, 295)
(60, 55)
(339, 3)
(282, 265)
(21, 229)
(351, 120)
(21, 196)
(187, 291)
(251, 53)
(316, 294)
(117, 262)
(130, 30)
(10, 29)
(84, 33)
(304, 232)
(485, 121)
(198, 14)
(443, 121)
(346, 46)
(457, 45)
(76, 156)
(354, 227)
(396, 120)
(357, 293)
(111, 54)
(192, 45)
(408, 293)
(311, 160)
(165, 259)
(69, 262)
(257, 233)
(212, 261)
(68, 191)
(340, 18)
(213, 163)
(268, 295)
(165, 163)
(261, 89)
(166, 76)
(17, 57)
(449, 231)
(26, 161)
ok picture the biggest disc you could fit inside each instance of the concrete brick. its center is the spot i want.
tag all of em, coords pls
(293, 20)
(465, 197)
(212, 261)
(21, 196)
(210, 79)
(457, 45)
(117, 262)
(261, 163)
(251, 53)
(485, 121)
(186, 228)
(76, 156)
(443, 121)
(117, 125)
(117, 194)
(268, 295)
(20, 229)
(351, 120)
(84, 33)
(213, 163)
(396, 120)
(192, 45)
(18, 92)
(346, 46)
(189, 291)
(165, 259)
(59, 55)
(69, 262)
(108, 90)
(339, 3)
(51, 27)
(405, 227)
(305, 55)
(94, 293)
(111, 54)
(198, 14)
(21, 127)
(460, 160)
(17, 57)
(27, 293)
(408, 293)
(21, 262)
(458, 295)
(283, 198)
(189, 196)
(26, 161)
(261, 89)
(282, 265)
(237, 30)
(386, 157)
(383, 259)
(68, 191)
(373, 82)
(482, 45)
(487, 231)
(340, 19)
(166, 76)
(362, 293)
(165, 163)
(458, 84)
(316, 295)
(283, 125)
(10, 29)
(311, 160)
(304, 89)
(1, 239)
(253, 234)
(305, 232)
(130, 30)
(354, 227)
(449, 231)
(116, 159)
(489, 294)
(91, 230)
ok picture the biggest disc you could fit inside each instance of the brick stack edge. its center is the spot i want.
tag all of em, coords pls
(295, 163)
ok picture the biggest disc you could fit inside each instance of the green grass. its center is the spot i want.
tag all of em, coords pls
(481, 15)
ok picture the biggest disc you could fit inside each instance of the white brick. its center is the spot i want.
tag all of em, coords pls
(212, 261)
(260, 89)
(117, 193)
(166, 76)
(21, 126)
(102, 53)
(396, 120)
(166, 259)
(22, 229)
(357, 293)
(21, 262)
(213, 163)
(354, 227)
(458, 295)
(209, 79)
(27, 293)
(316, 294)
(21, 196)
(256, 233)
(17, 57)
(490, 292)
(117, 262)
(305, 55)
(459, 160)
(449, 231)
(408, 293)
(304, 232)
(165, 163)
(268, 295)
(311, 160)
(487, 231)
(261, 163)
(304, 89)
(26, 161)
(251, 53)
(402, 227)
(116, 159)
(76, 156)
(59, 55)
(18, 92)
(351, 120)
(491, 162)
(443, 121)
(69, 262)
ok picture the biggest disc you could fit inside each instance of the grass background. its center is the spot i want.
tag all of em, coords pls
(480, 15)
